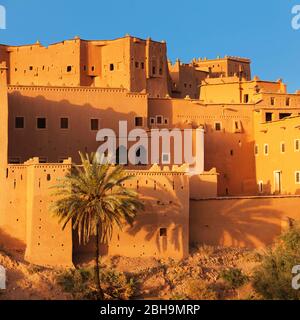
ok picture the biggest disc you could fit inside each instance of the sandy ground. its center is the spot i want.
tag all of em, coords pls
(160, 279)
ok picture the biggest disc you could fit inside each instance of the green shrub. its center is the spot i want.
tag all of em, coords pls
(234, 277)
(273, 277)
(117, 285)
(76, 281)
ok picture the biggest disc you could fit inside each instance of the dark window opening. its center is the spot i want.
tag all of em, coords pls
(69, 68)
(142, 65)
(136, 64)
(41, 123)
(284, 115)
(159, 120)
(269, 116)
(84, 68)
(93, 68)
(64, 123)
(138, 121)
(31, 68)
(160, 71)
(94, 124)
(287, 101)
(272, 101)
(163, 232)
(282, 147)
(19, 122)
(231, 152)
(218, 126)
(48, 177)
(153, 70)
(246, 98)
(111, 67)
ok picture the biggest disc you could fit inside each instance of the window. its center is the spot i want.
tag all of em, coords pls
(260, 187)
(256, 149)
(166, 121)
(231, 152)
(19, 122)
(284, 115)
(297, 145)
(138, 121)
(159, 119)
(269, 116)
(93, 68)
(218, 126)
(163, 232)
(31, 68)
(246, 98)
(142, 65)
(297, 177)
(64, 123)
(69, 68)
(237, 126)
(84, 68)
(287, 102)
(160, 71)
(41, 123)
(111, 67)
(153, 70)
(282, 147)
(152, 120)
(136, 64)
(165, 158)
(94, 124)
(272, 101)
(266, 149)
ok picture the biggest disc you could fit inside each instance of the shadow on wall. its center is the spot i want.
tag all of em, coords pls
(54, 143)
(237, 222)
(9, 242)
(159, 231)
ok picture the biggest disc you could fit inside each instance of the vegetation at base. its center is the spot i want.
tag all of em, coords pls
(80, 283)
(272, 279)
(234, 277)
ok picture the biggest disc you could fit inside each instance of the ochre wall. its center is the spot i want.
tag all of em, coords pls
(241, 222)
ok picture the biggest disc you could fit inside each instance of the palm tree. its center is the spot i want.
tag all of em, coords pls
(93, 197)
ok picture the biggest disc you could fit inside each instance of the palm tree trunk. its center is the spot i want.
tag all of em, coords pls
(97, 267)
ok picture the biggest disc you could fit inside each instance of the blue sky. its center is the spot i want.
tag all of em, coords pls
(258, 29)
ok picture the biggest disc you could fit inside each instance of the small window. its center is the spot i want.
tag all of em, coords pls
(31, 68)
(84, 68)
(152, 120)
(256, 149)
(231, 152)
(282, 147)
(41, 123)
(153, 70)
(165, 158)
(159, 119)
(111, 67)
(218, 126)
(160, 71)
(246, 98)
(64, 123)
(163, 232)
(48, 177)
(69, 68)
(142, 65)
(272, 101)
(138, 121)
(287, 102)
(260, 187)
(297, 177)
(166, 121)
(19, 122)
(137, 64)
(94, 124)
(269, 116)
(266, 149)
(93, 68)
(297, 145)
